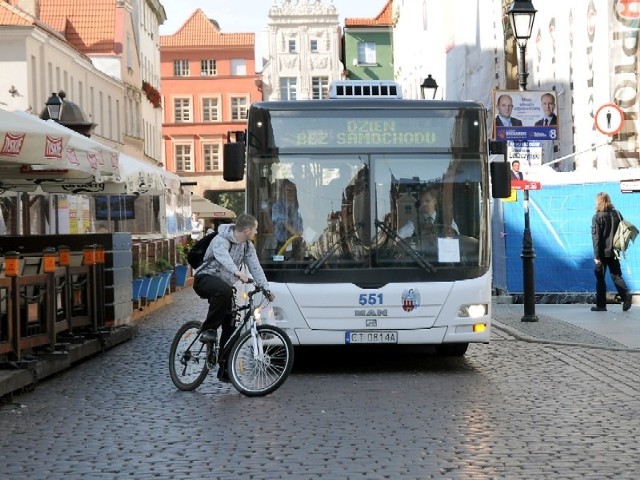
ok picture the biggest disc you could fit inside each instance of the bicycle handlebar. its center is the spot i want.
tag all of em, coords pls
(257, 289)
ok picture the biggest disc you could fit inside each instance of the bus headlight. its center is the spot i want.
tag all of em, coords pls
(264, 315)
(473, 311)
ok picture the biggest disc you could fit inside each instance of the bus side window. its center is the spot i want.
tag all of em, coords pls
(265, 224)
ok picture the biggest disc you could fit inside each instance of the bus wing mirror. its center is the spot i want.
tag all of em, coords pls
(500, 179)
(233, 161)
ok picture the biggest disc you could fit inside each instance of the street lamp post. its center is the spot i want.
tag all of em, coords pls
(522, 14)
(429, 84)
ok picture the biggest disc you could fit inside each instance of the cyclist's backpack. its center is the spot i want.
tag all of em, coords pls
(625, 233)
(195, 255)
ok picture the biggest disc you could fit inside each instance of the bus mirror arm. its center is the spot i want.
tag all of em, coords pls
(405, 246)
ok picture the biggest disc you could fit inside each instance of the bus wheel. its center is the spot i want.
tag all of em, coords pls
(452, 349)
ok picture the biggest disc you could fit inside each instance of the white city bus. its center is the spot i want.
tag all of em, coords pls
(353, 261)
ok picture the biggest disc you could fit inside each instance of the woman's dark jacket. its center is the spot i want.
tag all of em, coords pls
(603, 229)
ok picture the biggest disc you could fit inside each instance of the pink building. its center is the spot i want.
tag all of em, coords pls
(208, 82)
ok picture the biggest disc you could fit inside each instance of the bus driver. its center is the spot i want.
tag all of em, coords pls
(430, 222)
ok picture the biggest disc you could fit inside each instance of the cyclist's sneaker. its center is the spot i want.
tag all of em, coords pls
(223, 375)
(209, 336)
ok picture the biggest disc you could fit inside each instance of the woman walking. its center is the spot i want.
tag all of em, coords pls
(603, 228)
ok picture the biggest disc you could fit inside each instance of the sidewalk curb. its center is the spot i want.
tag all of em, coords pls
(47, 364)
(530, 339)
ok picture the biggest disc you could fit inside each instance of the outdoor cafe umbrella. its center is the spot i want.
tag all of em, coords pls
(38, 152)
(137, 177)
(134, 177)
(208, 209)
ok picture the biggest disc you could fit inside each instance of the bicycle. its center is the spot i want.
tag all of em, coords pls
(257, 357)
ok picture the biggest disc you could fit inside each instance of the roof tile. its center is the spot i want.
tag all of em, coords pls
(10, 15)
(384, 18)
(198, 30)
(88, 26)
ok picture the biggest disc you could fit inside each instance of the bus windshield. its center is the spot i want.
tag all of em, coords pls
(319, 213)
(396, 198)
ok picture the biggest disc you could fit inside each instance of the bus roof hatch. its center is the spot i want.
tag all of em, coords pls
(365, 89)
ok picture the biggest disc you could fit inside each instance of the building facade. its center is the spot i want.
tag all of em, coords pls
(148, 15)
(586, 55)
(90, 50)
(42, 61)
(208, 82)
(304, 51)
(121, 39)
(368, 52)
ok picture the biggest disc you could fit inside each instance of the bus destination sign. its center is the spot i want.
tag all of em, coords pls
(341, 132)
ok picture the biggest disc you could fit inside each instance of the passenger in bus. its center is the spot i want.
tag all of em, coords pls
(197, 227)
(429, 220)
(286, 218)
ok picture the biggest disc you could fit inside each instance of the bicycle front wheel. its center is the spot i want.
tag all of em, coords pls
(259, 366)
(188, 358)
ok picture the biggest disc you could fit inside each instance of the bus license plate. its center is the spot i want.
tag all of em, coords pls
(380, 336)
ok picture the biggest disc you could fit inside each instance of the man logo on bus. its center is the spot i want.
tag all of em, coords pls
(410, 300)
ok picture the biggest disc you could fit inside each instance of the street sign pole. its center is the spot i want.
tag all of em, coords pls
(527, 255)
(528, 268)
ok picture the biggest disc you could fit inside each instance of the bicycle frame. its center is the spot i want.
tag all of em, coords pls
(256, 358)
(240, 327)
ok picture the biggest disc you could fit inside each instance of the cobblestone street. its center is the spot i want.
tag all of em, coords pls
(510, 409)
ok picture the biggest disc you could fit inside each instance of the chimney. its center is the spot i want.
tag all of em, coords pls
(32, 7)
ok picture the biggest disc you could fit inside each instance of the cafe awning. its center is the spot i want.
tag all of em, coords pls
(137, 177)
(134, 177)
(35, 152)
(43, 154)
(208, 209)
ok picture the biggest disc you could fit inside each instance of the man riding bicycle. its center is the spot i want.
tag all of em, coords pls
(220, 269)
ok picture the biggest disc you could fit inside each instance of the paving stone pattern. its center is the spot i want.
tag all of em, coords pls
(546, 329)
(508, 410)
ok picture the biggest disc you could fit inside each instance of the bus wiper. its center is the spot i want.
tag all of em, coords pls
(405, 246)
(316, 264)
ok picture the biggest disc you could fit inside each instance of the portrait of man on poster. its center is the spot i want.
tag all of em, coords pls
(548, 106)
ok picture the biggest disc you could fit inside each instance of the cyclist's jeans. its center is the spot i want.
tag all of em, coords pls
(219, 293)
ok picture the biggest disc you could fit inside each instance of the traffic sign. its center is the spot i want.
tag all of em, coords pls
(630, 186)
(609, 118)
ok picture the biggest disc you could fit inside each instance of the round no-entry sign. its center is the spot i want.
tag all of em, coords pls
(609, 118)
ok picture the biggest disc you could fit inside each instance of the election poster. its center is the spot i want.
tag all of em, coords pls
(525, 115)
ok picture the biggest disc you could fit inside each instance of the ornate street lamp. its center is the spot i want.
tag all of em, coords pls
(521, 14)
(428, 85)
(67, 114)
(54, 107)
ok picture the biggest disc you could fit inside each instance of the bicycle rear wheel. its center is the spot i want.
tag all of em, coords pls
(257, 372)
(188, 357)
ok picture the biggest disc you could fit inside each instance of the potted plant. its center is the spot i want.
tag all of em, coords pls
(142, 275)
(154, 285)
(165, 270)
(182, 268)
(163, 265)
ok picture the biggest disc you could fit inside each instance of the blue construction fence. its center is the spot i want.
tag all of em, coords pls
(560, 222)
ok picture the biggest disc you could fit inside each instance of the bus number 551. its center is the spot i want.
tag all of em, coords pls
(370, 299)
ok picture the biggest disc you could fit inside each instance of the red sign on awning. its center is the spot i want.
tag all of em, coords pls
(525, 185)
